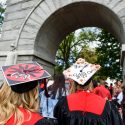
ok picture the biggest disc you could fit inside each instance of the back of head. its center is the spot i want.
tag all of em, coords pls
(76, 86)
(81, 72)
(123, 102)
(11, 101)
(59, 80)
(20, 90)
(58, 85)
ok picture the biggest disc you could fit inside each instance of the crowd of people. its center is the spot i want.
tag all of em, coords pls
(27, 97)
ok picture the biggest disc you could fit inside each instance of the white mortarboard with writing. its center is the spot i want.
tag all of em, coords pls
(81, 71)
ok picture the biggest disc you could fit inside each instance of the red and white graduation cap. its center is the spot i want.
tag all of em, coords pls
(81, 71)
(24, 76)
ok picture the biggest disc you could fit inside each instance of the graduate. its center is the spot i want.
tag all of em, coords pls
(83, 107)
(19, 94)
(55, 91)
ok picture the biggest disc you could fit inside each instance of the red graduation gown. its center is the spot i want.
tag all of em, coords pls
(35, 119)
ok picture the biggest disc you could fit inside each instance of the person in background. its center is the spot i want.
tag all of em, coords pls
(123, 105)
(106, 85)
(68, 86)
(111, 89)
(119, 92)
(115, 91)
(19, 96)
(83, 107)
(102, 91)
(56, 91)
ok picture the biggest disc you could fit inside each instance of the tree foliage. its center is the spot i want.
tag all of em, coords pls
(2, 10)
(71, 47)
(64, 51)
(109, 55)
(89, 54)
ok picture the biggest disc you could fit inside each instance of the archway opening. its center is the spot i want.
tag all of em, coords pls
(68, 19)
(96, 46)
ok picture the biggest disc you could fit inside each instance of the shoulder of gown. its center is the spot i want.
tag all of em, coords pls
(42, 121)
(109, 116)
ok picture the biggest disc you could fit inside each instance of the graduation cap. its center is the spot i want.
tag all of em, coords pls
(81, 71)
(24, 77)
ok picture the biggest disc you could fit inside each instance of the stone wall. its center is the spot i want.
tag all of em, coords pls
(36, 27)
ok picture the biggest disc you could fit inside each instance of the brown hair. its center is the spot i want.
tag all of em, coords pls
(59, 84)
(75, 86)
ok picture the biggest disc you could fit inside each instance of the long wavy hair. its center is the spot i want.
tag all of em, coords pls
(10, 102)
(58, 85)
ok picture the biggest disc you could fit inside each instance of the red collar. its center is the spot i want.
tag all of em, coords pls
(34, 117)
(86, 102)
(88, 91)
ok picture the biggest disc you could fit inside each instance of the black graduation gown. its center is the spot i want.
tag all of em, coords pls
(45, 121)
(83, 108)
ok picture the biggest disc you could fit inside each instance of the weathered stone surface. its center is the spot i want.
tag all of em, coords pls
(24, 59)
(30, 29)
(26, 35)
(26, 41)
(41, 13)
(33, 23)
(17, 15)
(14, 8)
(10, 2)
(50, 5)
(26, 47)
(13, 24)
(122, 12)
(9, 35)
(113, 3)
(46, 9)
(37, 18)
(57, 3)
(123, 19)
(51, 20)
(120, 5)
(5, 46)
(28, 4)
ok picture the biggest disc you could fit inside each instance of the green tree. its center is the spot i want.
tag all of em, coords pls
(2, 10)
(89, 54)
(109, 55)
(70, 48)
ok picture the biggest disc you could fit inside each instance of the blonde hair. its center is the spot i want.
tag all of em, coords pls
(75, 86)
(10, 102)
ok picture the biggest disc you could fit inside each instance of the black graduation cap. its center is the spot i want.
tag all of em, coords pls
(24, 77)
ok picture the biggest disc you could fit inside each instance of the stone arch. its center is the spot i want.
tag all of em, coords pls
(51, 20)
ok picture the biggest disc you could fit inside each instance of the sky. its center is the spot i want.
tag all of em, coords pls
(93, 44)
(3, 1)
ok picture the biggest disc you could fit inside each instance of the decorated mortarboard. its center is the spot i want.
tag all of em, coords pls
(24, 77)
(81, 71)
